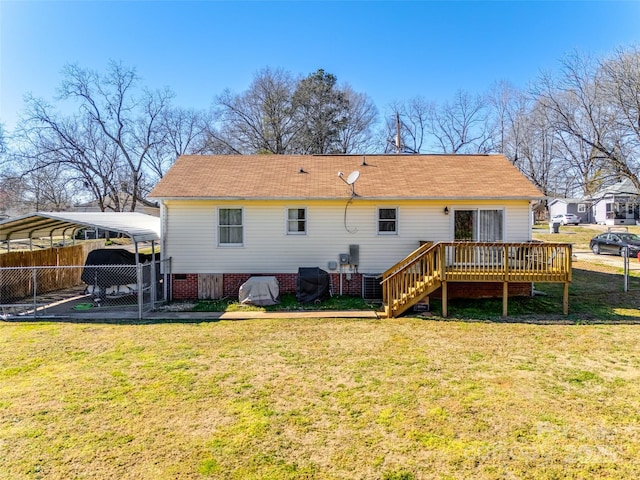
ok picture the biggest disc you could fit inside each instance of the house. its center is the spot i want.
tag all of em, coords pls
(142, 206)
(577, 206)
(227, 218)
(616, 204)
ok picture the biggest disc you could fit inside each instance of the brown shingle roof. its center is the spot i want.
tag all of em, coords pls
(307, 176)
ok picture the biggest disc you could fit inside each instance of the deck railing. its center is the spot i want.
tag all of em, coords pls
(427, 268)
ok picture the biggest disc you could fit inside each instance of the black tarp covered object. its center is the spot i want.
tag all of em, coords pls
(313, 285)
(105, 277)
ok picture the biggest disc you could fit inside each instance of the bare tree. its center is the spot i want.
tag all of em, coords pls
(461, 126)
(3, 144)
(184, 132)
(111, 138)
(48, 189)
(406, 126)
(620, 85)
(279, 114)
(259, 120)
(354, 135)
(579, 105)
(131, 123)
(538, 154)
(77, 143)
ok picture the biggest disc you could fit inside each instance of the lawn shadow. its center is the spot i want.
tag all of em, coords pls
(595, 296)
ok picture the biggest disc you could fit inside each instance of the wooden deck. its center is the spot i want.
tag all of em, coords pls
(434, 265)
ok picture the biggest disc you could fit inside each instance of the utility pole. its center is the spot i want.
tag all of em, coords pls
(398, 139)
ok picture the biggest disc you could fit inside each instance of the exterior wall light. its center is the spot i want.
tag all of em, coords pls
(446, 210)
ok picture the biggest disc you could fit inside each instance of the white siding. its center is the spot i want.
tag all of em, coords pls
(191, 234)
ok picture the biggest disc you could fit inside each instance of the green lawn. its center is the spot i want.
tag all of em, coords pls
(319, 399)
(535, 396)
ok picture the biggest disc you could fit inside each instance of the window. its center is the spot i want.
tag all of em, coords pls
(296, 221)
(479, 225)
(230, 230)
(582, 208)
(387, 221)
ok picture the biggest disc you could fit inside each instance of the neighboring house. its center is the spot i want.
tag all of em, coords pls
(616, 204)
(142, 206)
(226, 218)
(577, 206)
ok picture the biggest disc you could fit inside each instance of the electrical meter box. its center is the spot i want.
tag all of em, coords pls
(354, 254)
(344, 258)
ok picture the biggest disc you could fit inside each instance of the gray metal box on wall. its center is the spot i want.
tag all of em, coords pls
(354, 254)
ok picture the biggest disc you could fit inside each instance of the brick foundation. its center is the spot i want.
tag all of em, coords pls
(185, 286)
(288, 282)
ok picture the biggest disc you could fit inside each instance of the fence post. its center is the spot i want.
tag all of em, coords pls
(152, 276)
(140, 291)
(625, 256)
(166, 269)
(35, 292)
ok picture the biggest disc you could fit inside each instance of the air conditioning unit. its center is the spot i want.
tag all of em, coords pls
(371, 288)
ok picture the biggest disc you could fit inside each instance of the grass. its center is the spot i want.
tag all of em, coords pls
(287, 303)
(319, 399)
(579, 236)
(474, 396)
(595, 296)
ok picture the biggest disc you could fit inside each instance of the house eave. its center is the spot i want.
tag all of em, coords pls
(346, 197)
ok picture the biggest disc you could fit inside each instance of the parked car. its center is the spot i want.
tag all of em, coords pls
(566, 219)
(615, 242)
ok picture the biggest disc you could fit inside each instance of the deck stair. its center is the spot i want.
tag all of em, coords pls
(433, 265)
(410, 280)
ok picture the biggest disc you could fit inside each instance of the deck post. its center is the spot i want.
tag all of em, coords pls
(505, 282)
(444, 299)
(565, 299)
(505, 298)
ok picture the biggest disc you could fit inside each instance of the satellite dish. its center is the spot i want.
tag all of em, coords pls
(353, 176)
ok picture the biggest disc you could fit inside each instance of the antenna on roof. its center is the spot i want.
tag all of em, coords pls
(351, 179)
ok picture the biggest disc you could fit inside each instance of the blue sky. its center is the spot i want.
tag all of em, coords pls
(389, 50)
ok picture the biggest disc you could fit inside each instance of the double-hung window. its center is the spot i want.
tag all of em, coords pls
(230, 227)
(296, 221)
(387, 221)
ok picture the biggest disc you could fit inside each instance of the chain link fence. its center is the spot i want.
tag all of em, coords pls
(68, 291)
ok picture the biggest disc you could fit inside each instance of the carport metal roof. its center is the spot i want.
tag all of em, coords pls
(137, 226)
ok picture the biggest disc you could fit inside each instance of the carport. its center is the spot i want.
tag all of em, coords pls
(137, 226)
(60, 229)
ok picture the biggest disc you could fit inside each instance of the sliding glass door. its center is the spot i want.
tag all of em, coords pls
(478, 225)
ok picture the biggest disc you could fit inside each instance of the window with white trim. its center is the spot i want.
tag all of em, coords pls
(582, 208)
(387, 221)
(230, 227)
(296, 221)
